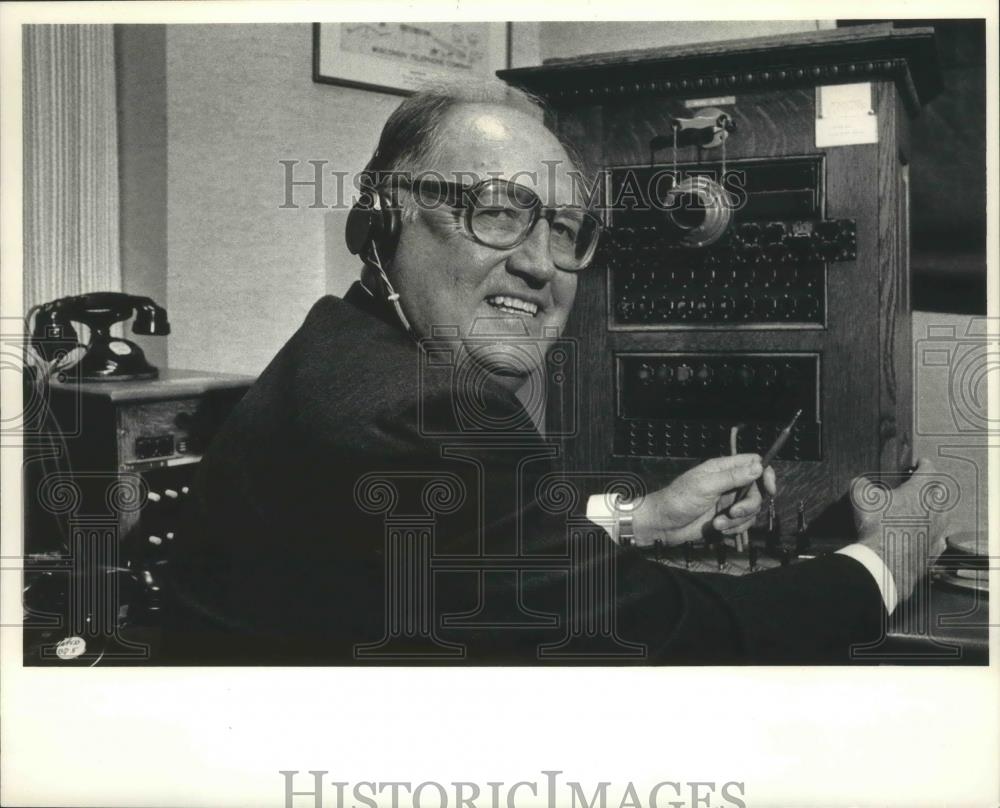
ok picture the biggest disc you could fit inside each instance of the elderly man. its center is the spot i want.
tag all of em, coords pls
(320, 534)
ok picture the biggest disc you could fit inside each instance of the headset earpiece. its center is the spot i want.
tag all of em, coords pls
(372, 221)
(372, 232)
(360, 222)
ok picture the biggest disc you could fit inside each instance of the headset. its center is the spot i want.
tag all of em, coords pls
(372, 232)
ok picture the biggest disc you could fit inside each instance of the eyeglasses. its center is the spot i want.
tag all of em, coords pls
(502, 214)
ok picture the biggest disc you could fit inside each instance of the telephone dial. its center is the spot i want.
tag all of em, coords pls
(106, 358)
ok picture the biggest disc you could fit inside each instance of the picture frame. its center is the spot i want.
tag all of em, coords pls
(401, 57)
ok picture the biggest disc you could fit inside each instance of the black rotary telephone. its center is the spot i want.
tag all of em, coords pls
(107, 358)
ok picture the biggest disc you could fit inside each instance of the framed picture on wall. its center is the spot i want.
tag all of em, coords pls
(401, 57)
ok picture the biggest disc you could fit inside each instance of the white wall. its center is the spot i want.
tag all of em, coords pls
(140, 63)
(242, 272)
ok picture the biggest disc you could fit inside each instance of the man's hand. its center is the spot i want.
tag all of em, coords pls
(907, 561)
(699, 502)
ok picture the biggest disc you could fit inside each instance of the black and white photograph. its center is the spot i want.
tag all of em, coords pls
(373, 382)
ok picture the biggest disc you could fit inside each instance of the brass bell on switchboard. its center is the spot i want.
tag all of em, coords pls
(698, 209)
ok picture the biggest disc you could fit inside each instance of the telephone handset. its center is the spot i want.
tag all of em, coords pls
(107, 358)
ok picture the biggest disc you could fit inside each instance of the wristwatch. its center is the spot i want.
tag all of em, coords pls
(624, 526)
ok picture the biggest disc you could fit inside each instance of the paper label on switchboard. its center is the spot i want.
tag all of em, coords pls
(845, 115)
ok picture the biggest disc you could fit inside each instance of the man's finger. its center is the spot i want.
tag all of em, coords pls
(721, 474)
(728, 524)
(729, 461)
(750, 504)
(770, 481)
(738, 527)
(727, 499)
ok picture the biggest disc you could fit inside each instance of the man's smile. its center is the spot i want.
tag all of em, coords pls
(510, 304)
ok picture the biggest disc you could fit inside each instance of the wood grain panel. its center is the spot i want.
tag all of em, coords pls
(895, 378)
(767, 125)
(850, 352)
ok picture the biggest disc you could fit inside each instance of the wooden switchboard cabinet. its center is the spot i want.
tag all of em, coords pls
(799, 299)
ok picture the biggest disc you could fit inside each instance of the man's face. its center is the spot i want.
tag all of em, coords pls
(505, 303)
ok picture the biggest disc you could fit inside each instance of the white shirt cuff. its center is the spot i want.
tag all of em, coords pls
(879, 571)
(601, 511)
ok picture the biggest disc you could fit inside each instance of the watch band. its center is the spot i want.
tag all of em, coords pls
(624, 524)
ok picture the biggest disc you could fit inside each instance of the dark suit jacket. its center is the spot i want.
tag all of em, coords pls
(350, 510)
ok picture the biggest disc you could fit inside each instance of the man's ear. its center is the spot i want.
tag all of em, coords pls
(408, 209)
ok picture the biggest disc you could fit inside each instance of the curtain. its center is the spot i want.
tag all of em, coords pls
(71, 209)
